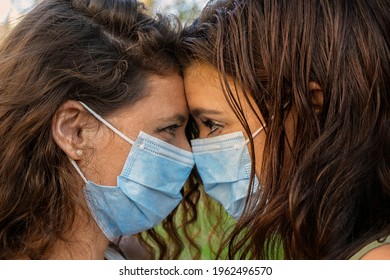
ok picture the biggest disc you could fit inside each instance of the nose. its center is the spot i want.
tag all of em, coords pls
(183, 143)
(186, 145)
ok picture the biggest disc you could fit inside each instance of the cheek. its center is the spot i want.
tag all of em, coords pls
(258, 140)
(107, 161)
(203, 132)
(259, 144)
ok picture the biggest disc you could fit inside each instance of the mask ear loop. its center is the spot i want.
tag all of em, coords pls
(78, 170)
(110, 126)
(255, 134)
(106, 123)
(261, 128)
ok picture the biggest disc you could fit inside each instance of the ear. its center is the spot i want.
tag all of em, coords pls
(68, 126)
(317, 96)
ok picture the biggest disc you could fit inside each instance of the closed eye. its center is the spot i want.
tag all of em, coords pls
(171, 129)
(212, 125)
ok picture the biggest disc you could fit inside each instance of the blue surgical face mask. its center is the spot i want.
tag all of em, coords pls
(147, 190)
(224, 164)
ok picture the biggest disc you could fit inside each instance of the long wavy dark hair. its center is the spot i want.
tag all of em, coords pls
(98, 52)
(326, 191)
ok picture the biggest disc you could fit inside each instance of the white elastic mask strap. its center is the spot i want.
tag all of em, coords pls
(255, 133)
(106, 123)
(78, 170)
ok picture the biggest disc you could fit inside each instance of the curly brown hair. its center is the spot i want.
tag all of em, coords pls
(94, 51)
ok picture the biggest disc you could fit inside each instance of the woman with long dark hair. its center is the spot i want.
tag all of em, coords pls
(292, 104)
(92, 129)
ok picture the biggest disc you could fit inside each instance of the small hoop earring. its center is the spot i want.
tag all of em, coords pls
(79, 153)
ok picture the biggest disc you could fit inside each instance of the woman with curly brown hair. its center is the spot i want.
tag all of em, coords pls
(92, 128)
(291, 100)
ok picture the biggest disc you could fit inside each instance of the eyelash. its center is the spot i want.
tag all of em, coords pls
(212, 125)
(170, 129)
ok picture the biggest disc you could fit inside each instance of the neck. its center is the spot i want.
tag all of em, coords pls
(85, 242)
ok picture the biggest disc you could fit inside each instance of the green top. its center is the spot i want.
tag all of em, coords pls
(369, 248)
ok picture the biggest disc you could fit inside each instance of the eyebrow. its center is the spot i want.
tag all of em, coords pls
(178, 117)
(200, 111)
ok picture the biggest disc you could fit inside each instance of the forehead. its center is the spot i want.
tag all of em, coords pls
(203, 87)
(205, 93)
(200, 74)
(165, 99)
(165, 92)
